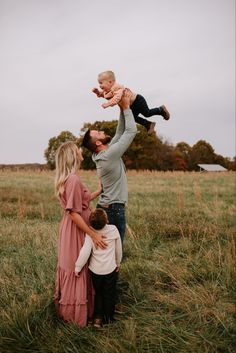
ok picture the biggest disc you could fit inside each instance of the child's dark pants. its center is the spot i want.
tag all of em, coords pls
(105, 292)
(139, 106)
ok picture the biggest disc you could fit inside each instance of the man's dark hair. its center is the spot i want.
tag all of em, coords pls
(98, 218)
(88, 142)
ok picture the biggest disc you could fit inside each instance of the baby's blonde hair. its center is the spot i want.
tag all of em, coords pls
(108, 74)
(68, 160)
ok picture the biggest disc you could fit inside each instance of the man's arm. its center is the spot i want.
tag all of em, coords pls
(119, 129)
(124, 104)
(118, 148)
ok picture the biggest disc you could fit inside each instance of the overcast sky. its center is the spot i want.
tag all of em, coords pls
(180, 53)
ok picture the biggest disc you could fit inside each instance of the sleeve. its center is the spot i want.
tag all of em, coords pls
(118, 250)
(84, 254)
(119, 129)
(117, 149)
(115, 99)
(73, 194)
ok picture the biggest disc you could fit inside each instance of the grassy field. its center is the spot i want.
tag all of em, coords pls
(178, 274)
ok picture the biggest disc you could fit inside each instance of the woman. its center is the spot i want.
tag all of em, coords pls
(73, 295)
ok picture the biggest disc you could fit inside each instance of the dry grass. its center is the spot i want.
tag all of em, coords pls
(177, 277)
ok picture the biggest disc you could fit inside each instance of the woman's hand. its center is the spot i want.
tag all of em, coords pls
(97, 192)
(100, 188)
(97, 238)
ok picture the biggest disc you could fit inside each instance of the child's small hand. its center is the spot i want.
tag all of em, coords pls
(95, 90)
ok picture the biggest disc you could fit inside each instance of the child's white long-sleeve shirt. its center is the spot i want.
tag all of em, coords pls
(102, 261)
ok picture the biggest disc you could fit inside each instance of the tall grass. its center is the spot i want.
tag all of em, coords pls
(177, 276)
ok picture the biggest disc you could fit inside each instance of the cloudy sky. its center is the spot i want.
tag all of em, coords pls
(175, 52)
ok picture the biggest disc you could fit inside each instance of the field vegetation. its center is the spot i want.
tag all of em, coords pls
(177, 276)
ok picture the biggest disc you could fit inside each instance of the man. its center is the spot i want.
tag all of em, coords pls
(107, 155)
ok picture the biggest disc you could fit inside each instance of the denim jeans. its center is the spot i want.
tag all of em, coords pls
(116, 216)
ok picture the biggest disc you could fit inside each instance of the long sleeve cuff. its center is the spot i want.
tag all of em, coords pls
(127, 111)
(78, 268)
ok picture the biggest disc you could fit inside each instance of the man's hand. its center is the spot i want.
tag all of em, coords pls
(125, 100)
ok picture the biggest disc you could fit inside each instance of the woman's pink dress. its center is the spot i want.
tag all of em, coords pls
(73, 295)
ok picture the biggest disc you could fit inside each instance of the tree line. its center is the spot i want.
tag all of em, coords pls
(146, 151)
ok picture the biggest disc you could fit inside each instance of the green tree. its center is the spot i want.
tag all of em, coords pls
(145, 152)
(202, 152)
(166, 156)
(224, 161)
(232, 163)
(53, 145)
(109, 127)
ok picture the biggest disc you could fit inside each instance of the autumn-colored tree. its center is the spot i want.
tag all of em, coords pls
(182, 156)
(179, 161)
(53, 145)
(146, 151)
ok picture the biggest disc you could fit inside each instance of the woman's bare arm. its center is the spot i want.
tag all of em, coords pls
(97, 238)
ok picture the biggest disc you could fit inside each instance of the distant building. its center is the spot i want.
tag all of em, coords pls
(211, 168)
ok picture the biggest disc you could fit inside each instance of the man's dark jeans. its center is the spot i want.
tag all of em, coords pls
(116, 216)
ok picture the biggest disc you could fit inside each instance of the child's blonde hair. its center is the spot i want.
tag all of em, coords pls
(107, 74)
(68, 159)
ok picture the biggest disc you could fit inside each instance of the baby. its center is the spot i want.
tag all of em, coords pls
(113, 92)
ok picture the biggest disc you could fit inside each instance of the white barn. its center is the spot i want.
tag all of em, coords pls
(212, 168)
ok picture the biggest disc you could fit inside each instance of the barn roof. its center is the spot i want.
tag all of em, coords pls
(212, 167)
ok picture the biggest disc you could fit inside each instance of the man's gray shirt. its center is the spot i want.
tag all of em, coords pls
(109, 164)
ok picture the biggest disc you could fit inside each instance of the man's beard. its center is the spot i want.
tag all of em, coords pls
(105, 140)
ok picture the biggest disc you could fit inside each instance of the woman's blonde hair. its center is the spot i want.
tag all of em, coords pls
(68, 159)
